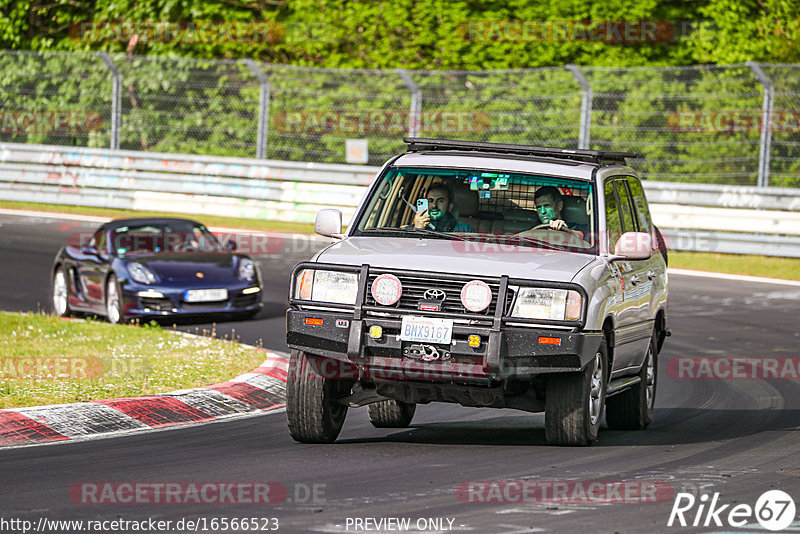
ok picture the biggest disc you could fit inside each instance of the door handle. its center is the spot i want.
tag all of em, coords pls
(635, 279)
(651, 275)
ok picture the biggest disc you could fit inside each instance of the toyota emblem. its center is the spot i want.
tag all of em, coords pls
(434, 294)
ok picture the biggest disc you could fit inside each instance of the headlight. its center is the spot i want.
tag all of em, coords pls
(247, 270)
(141, 274)
(541, 303)
(326, 286)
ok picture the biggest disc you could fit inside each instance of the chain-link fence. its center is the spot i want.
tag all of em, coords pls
(737, 124)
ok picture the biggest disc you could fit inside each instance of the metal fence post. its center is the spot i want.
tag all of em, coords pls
(766, 123)
(586, 105)
(116, 98)
(263, 108)
(416, 103)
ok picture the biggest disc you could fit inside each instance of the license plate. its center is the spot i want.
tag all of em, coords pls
(205, 295)
(426, 329)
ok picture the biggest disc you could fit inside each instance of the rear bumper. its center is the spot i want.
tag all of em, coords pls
(512, 352)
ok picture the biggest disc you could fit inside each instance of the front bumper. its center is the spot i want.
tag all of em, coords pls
(510, 352)
(171, 302)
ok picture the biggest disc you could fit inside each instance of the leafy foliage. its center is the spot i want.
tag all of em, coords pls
(191, 93)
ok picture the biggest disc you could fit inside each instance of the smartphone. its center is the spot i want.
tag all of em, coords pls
(422, 205)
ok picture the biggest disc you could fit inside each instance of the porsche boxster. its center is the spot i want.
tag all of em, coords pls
(154, 267)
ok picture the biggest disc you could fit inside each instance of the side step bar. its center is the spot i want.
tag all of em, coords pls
(621, 384)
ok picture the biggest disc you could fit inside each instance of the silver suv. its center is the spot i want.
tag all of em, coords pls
(489, 275)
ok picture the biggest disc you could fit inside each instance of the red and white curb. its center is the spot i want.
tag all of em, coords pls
(261, 390)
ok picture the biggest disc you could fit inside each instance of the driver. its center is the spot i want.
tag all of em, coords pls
(440, 205)
(549, 204)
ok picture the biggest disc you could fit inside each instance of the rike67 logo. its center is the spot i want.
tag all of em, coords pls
(774, 510)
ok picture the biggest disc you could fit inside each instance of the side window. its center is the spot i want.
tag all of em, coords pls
(613, 223)
(639, 201)
(625, 207)
(99, 239)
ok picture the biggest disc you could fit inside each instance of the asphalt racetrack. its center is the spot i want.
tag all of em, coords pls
(737, 437)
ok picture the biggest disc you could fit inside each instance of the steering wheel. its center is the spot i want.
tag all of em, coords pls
(547, 225)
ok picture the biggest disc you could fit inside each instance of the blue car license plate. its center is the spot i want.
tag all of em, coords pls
(205, 295)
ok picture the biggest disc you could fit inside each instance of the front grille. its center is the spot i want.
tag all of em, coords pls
(415, 286)
(192, 306)
(156, 304)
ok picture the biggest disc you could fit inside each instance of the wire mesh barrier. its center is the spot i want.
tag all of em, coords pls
(736, 124)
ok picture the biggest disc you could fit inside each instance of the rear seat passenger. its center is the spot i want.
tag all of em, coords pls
(509, 221)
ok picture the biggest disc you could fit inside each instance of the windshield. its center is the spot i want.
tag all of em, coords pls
(163, 238)
(486, 206)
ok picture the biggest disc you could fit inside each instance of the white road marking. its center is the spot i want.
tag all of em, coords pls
(739, 277)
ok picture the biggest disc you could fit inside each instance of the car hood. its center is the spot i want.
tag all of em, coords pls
(458, 257)
(185, 267)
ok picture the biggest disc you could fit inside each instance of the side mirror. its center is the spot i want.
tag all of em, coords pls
(230, 245)
(633, 246)
(328, 223)
(89, 249)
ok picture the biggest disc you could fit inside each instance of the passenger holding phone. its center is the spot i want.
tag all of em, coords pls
(435, 212)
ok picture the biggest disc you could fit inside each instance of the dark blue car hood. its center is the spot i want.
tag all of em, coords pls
(218, 267)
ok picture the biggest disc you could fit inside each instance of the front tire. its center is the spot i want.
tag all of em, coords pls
(391, 413)
(633, 409)
(113, 300)
(61, 293)
(575, 401)
(313, 412)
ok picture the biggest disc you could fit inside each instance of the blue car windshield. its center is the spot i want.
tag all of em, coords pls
(163, 238)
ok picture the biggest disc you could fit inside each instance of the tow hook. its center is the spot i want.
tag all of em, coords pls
(426, 353)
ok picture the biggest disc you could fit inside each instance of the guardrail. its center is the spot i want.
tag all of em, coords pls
(691, 215)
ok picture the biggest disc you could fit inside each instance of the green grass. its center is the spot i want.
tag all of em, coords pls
(47, 360)
(208, 220)
(767, 266)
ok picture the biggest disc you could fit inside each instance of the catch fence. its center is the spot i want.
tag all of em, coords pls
(731, 125)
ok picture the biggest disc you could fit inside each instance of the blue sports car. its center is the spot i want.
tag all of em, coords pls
(154, 267)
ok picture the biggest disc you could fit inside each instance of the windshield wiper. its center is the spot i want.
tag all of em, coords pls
(415, 231)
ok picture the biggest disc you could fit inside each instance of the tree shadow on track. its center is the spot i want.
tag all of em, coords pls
(671, 426)
(506, 431)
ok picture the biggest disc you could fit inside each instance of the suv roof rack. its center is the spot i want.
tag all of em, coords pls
(599, 157)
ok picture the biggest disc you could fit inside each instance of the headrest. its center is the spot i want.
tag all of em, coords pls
(574, 210)
(466, 201)
(521, 215)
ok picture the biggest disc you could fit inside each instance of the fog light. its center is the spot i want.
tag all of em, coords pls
(150, 293)
(250, 290)
(474, 341)
(375, 332)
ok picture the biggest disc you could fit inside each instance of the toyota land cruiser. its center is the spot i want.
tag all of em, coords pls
(488, 275)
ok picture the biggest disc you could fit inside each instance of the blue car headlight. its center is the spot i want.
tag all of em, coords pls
(247, 270)
(141, 274)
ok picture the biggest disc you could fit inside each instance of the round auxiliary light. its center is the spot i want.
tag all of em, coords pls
(386, 289)
(476, 295)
